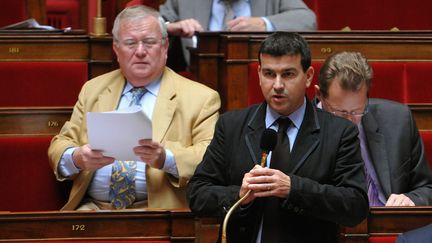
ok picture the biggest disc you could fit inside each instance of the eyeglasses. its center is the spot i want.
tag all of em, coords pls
(344, 113)
(148, 43)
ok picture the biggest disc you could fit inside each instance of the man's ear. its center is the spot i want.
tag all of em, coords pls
(317, 91)
(309, 76)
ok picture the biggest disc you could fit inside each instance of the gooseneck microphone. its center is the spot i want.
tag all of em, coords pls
(267, 143)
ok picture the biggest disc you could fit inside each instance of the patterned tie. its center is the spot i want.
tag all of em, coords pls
(137, 94)
(122, 188)
(229, 13)
(279, 159)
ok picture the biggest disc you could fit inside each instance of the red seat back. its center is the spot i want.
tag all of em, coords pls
(62, 14)
(12, 11)
(372, 14)
(28, 183)
(382, 239)
(41, 83)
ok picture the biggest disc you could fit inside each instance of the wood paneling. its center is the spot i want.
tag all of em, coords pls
(26, 121)
(173, 226)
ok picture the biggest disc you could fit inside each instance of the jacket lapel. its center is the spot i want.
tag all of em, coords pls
(376, 146)
(307, 139)
(109, 99)
(165, 106)
(253, 137)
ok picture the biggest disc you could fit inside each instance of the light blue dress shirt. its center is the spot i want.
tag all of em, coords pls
(99, 186)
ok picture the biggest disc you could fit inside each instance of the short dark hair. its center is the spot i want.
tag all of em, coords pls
(286, 43)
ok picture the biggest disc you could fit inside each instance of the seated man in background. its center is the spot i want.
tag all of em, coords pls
(183, 115)
(396, 168)
(315, 176)
(188, 16)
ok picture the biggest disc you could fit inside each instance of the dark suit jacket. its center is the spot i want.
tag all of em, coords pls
(397, 151)
(326, 170)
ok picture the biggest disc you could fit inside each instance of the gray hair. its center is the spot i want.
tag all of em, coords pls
(135, 13)
(351, 68)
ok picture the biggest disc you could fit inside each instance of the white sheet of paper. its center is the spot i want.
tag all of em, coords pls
(116, 133)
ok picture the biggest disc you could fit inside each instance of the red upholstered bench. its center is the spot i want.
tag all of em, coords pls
(63, 14)
(27, 181)
(27, 84)
(389, 81)
(372, 14)
(12, 11)
(382, 239)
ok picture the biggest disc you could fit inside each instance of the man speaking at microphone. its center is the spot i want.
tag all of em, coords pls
(314, 179)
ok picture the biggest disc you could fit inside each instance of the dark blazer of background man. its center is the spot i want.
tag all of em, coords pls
(390, 135)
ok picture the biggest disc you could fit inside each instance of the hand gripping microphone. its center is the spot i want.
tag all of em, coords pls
(267, 143)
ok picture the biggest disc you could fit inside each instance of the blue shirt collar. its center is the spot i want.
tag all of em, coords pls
(296, 117)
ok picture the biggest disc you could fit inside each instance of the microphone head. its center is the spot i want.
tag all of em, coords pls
(268, 140)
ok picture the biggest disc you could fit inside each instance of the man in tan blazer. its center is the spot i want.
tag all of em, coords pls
(183, 115)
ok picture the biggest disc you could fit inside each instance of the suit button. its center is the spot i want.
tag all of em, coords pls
(296, 209)
(242, 229)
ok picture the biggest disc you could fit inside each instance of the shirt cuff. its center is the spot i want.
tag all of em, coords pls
(269, 25)
(170, 165)
(67, 166)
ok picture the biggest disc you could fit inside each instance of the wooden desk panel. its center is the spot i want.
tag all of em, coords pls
(177, 225)
(174, 225)
(33, 121)
(387, 221)
(102, 57)
(43, 48)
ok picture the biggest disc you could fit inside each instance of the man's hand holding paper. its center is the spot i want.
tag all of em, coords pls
(151, 152)
(87, 159)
